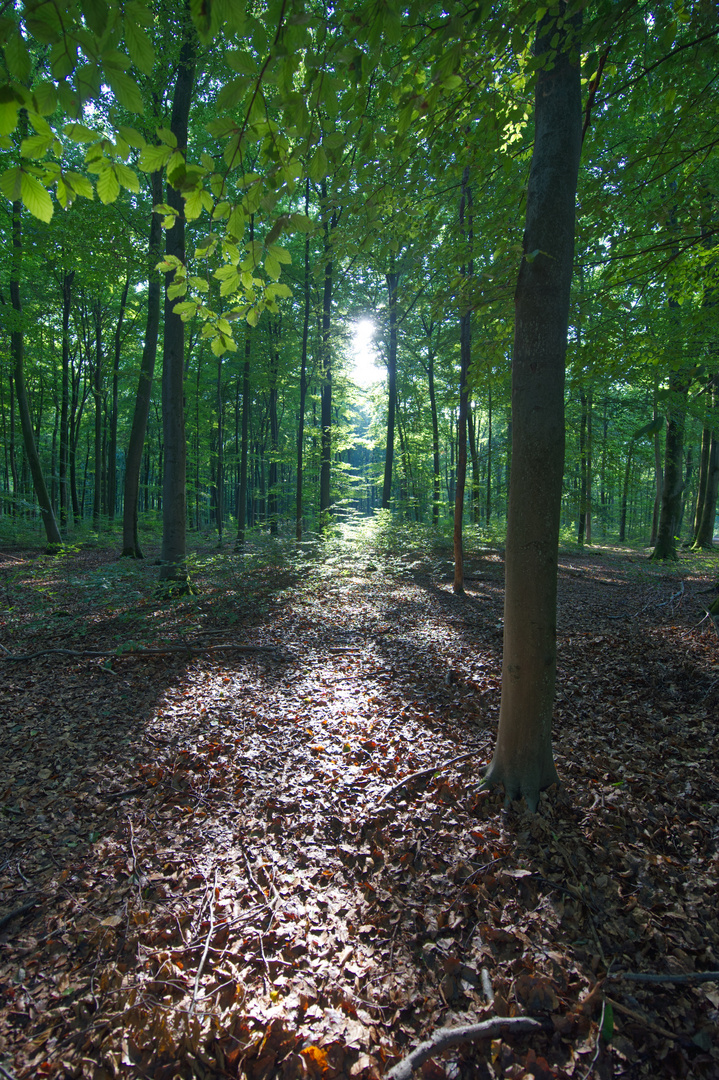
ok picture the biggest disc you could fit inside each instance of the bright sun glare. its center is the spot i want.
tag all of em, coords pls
(364, 354)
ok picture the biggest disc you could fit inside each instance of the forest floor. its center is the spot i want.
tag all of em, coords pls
(208, 867)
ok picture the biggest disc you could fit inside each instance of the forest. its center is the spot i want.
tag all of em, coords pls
(358, 392)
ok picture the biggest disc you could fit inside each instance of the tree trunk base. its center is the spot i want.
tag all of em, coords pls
(131, 553)
(172, 588)
(518, 785)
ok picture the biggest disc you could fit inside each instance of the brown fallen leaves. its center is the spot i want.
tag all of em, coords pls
(210, 883)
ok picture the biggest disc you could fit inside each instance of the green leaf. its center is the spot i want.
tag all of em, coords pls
(154, 158)
(178, 288)
(137, 39)
(95, 12)
(126, 91)
(281, 254)
(452, 82)
(10, 183)
(36, 146)
(193, 204)
(132, 137)
(607, 1021)
(318, 166)
(108, 187)
(44, 97)
(8, 117)
(17, 57)
(79, 184)
(79, 133)
(650, 429)
(232, 93)
(35, 198)
(167, 136)
(302, 223)
(127, 177)
(272, 267)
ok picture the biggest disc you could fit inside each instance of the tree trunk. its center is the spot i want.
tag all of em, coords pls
(488, 511)
(303, 374)
(274, 334)
(465, 347)
(658, 468)
(174, 482)
(625, 494)
(67, 281)
(133, 458)
(705, 533)
(436, 475)
(588, 498)
(97, 395)
(326, 369)
(17, 351)
(112, 448)
(392, 279)
(474, 453)
(582, 518)
(666, 545)
(523, 760)
(244, 445)
(220, 460)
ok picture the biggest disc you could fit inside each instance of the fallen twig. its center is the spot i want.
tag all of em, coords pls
(208, 939)
(443, 1038)
(645, 1022)
(5, 919)
(688, 977)
(120, 654)
(425, 772)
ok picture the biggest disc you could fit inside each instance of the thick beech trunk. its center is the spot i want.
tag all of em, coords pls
(133, 458)
(174, 481)
(392, 279)
(17, 351)
(523, 760)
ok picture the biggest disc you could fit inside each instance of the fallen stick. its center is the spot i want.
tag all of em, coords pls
(646, 1022)
(208, 939)
(116, 654)
(443, 1038)
(426, 772)
(5, 919)
(688, 977)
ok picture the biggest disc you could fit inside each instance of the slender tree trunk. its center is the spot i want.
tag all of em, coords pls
(625, 493)
(488, 510)
(17, 350)
(11, 448)
(436, 474)
(112, 447)
(465, 347)
(704, 533)
(67, 281)
(474, 453)
(274, 428)
(220, 462)
(666, 546)
(523, 760)
(326, 368)
(133, 458)
(303, 374)
(392, 279)
(658, 467)
(702, 480)
(244, 445)
(97, 395)
(582, 519)
(174, 483)
(588, 526)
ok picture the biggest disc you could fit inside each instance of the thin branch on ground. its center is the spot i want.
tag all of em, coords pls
(684, 979)
(426, 772)
(22, 910)
(444, 1038)
(120, 654)
(208, 939)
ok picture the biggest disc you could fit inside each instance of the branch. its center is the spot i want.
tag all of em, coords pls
(688, 977)
(443, 1038)
(425, 772)
(116, 654)
(593, 87)
(5, 919)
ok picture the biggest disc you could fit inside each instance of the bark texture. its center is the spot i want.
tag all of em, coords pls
(174, 483)
(523, 760)
(133, 460)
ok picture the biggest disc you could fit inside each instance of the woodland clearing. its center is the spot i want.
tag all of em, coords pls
(209, 866)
